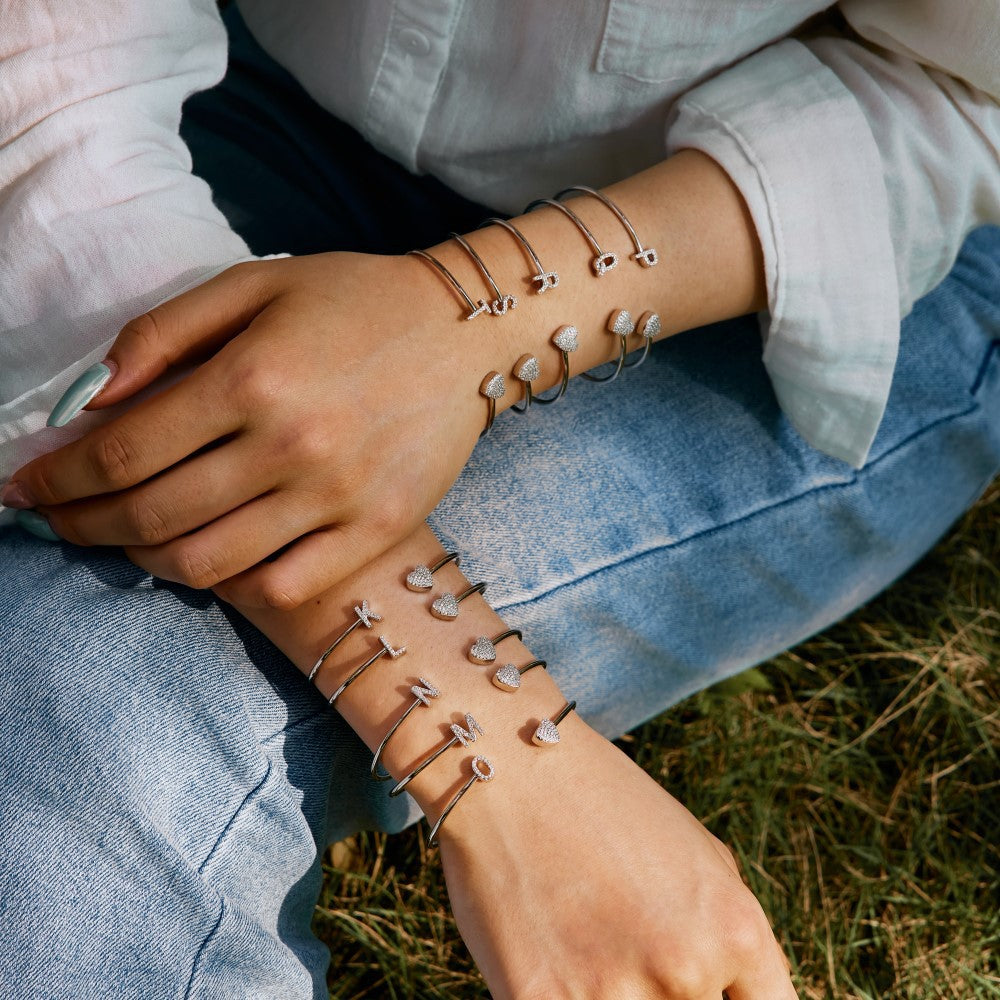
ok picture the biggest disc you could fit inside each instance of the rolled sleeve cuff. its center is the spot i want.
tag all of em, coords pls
(798, 147)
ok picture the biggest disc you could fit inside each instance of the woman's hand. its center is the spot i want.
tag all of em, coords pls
(573, 874)
(332, 413)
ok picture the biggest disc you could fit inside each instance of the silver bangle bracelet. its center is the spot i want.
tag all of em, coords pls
(492, 388)
(365, 616)
(422, 693)
(566, 339)
(502, 303)
(619, 323)
(465, 737)
(482, 770)
(475, 309)
(644, 256)
(544, 279)
(384, 650)
(603, 260)
(547, 733)
(526, 370)
(484, 649)
(648, 327)
(445, 607)
(508, 677)
(421, 577)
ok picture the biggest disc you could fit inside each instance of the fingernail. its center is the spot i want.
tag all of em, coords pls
(15, 495)
(79, 394)
(37, 525)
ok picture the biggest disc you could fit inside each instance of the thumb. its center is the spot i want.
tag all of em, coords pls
(195, 323)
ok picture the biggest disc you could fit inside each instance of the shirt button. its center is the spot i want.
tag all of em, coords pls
(415, 42)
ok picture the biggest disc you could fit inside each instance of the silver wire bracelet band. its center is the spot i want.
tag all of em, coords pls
(385, 650)
(648, 327)
(603, 260)
(484, 649)
(365, 617)
(482, 770)
(567, 340)
(422, 693)
(644, 256)
(526, 370)
(508, 677)
(475, 309)
(463, 736)
(619, 323)
(493, 387)
(445, 607)
(545, 279)
(502, 302)
(547, 733)
(421, 577)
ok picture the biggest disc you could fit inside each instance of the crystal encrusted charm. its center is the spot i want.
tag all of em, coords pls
(483, 651)
(546, 735)
(445, 607)
(566, 338)
(507, 678)
(419, 578)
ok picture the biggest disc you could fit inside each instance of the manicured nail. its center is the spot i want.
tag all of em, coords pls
(79, 394)
(15, 495)
(37, 525)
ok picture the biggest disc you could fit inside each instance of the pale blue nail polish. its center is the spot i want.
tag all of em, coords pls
(79, 394)
(37, 525)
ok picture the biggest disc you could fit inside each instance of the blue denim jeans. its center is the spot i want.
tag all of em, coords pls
(168, 781)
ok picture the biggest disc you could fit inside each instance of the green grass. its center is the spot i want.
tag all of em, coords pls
(856, 777)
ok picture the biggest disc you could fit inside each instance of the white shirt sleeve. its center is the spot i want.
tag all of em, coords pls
(864, 161)
(100, 215)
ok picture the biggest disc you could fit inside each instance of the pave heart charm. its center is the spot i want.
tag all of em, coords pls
(546, 735)
(445, 607)
(566, 338)
(527, 368)
(419, 578)
(507, 678)
(649, 325)
(621, 323)
(493, 386)
(483, 651)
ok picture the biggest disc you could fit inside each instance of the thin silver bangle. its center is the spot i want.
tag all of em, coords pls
(474, 308)
(482, 770)
(547, 733)
(620, 323)
(648, 327)
(385, 650)
(492, 388)
(422, 693)
(526, 369)
(545, 279)
(365, 616)
(644, 256)
(502, 303)
(603, 261)
(460, 735)
(484, 649)
(566, 339)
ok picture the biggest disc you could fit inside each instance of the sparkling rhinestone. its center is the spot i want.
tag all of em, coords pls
(366, 615)
(546, 734)
(546, 280)
(419, 578)
(647, 257)
(483, 650)
(424, 691)
(527, 369)
(493, 386)
(567, 338)
(649, 325)
(621, 323)
(507, 678)
(445, 607)
(606, 262)
(394, 654)
(478, 763)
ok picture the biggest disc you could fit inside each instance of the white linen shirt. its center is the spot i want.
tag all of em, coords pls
(864, 137)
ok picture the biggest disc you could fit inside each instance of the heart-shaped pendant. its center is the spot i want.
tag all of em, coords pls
(566, 338)
(527, 368)
(546, 735)
(483, 651)
(649, 325)
(493, 386)
(507, 678)
(445, 607)
(419, 578)
(621, 323)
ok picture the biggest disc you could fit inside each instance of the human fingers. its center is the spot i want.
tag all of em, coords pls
(152, 436)
(763, 972)
(229, 545)
(185, 497)
(189, 325)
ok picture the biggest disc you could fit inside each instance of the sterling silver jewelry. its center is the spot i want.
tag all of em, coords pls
(482, 770)
(604, 260)
(421, 578)
(619, 323)
(445, 607)
(644, 256)
(508, 677)
(493, 388)
(365, 617)
(502, 302)
(464, 736)
(544, 279)
(526, 370)
(648, 327)
(547, 733)
(422, 693)
(567, 340)
(384, 650)
(484, 649)
(475, 309)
